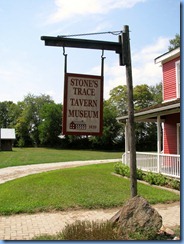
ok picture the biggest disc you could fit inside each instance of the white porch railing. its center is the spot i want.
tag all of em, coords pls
(166, 164)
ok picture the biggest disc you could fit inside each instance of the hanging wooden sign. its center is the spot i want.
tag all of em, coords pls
(83, 104)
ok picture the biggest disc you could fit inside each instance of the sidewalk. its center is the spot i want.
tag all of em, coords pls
(11, 173)
(26, 226)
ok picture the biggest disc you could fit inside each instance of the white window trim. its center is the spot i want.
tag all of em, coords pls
(177, 79)
(169, 100)
(163, 135)
(178, 138)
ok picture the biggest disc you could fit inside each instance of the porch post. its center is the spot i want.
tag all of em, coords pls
(158, 143)
(126, 143)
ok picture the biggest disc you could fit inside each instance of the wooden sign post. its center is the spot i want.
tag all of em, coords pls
(123, 49)
(131, 127)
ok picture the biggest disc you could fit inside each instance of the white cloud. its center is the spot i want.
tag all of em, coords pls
(18, 79)
(71, 8)
(152, 51)
(102, 25)
(114, 75)
(144, 70)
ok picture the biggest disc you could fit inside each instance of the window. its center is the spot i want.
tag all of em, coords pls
(177, 65)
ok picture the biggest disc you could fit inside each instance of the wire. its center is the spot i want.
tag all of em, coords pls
(97, 33)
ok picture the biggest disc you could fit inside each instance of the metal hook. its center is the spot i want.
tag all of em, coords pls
(102, 63)
(64, 51)
(65, 65)
(102, 56)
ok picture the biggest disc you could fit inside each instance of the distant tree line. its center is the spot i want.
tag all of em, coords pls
(38, 121)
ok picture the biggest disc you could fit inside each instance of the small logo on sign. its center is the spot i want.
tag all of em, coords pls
(78, 125)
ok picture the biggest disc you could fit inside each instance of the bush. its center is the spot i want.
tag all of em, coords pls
(140, 174)
(142, 235)
(155, 179)
(86, 230)
(150, 177)
(126, 171)
(175, 184)
(122, 169)
(117, 168)
(160, 180)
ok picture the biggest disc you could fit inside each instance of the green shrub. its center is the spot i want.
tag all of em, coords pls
(142, 235)
(122, 169)
(175, 184)
(140, 174)
(160, 180)
(150, 177)
(126, 171)
(155, 179)
(117, 168)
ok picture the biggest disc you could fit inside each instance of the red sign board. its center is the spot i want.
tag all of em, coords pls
(83, 104)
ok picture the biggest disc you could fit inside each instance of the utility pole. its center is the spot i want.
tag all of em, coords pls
(123, 49)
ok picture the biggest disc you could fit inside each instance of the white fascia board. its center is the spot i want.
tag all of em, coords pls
(168, 56)
(157, 109)
(151, 111)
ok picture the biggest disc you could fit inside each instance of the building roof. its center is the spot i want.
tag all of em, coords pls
(151, 113)
(7, 134)
(168, 56)
(78, 122)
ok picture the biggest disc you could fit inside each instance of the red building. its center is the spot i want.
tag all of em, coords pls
(170, 63)
(166, 114)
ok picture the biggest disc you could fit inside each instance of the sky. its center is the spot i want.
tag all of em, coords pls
(28, 66)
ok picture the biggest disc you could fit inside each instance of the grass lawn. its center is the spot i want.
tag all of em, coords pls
(25, 156)
(83, 187)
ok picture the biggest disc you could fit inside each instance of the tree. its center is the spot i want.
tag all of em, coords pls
(111, 129)
(29, 118)
(142, 97)
(145, 132)
(50, 125)
(156, 93)
(76, 142)
(118, 100)
(174, 43)
(8, 114)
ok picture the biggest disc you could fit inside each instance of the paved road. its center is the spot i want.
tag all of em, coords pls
(26, 226)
